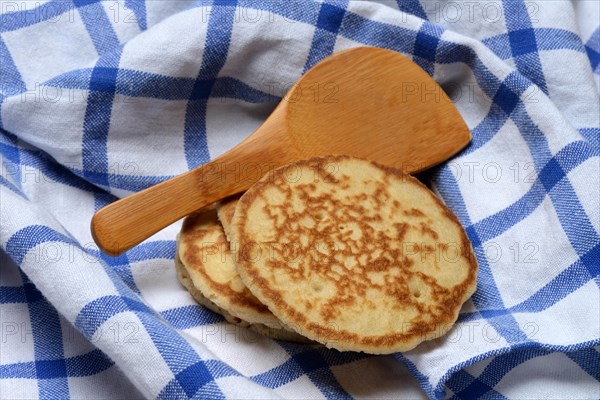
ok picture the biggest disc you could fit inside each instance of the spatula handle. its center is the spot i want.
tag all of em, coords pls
(125, 223)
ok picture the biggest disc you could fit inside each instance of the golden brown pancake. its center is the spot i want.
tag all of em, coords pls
(225, 211)
(206, 269)
(353, 254)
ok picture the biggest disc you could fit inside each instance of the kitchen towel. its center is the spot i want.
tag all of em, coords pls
(100, 99)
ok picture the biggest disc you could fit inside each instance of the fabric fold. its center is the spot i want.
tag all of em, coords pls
(99, 100)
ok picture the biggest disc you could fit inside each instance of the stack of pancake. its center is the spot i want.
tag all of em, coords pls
(335, 250)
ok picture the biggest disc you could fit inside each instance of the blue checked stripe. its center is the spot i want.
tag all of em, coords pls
(51, 368)
(171, 89)
(9, 294)
(570, 279)
(143, 84)
(191, 374)
(12, 82)
(97, 119)
(413, 7)
(190, 316)
(86, 364)
(426, 44)
(467, 386)
(588, 360)
(421, 377)
(458, 380)
(98, 25)
(494, 372)
(546, 39)
(330, 19)
(177, 353)
(220, 24)
(522, 43)
(11, 186)
(592, 48)
(36, 161)
(572, 155)
(476, 386)
(487, 294)
(314, 363)
(139, 9)
(10, 153)
(592, 135)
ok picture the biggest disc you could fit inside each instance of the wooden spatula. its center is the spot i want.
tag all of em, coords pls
(366, 102)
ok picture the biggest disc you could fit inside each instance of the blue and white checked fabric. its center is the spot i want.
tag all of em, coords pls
(99, 99)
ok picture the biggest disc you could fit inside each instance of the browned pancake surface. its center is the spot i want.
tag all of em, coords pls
(205, 267)
(353, 254)
(225, 211)
(204, 250)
